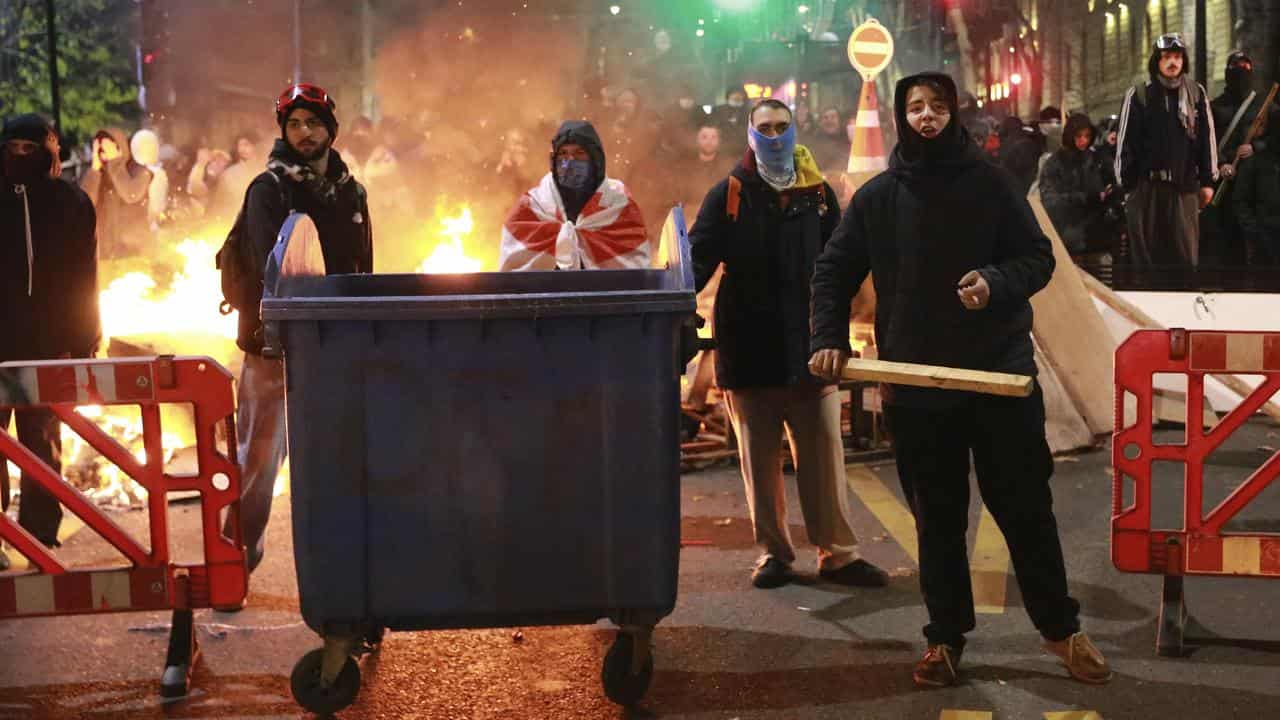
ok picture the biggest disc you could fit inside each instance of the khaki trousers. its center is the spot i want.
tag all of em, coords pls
(811, 416)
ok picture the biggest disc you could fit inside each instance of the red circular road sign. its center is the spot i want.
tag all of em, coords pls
(870, 48)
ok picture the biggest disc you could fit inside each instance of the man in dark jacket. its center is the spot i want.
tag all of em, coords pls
(1233, 112)
(118, 187)
(1255, 201)
(1020, 150)
(1166, 159)
(48, 292)
(304, 174)
(1072, 188)
(955, 254)
(767, 223)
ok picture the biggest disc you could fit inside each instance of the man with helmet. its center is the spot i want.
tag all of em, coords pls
(1166, 159)
(48, 292)
(1233, 111)
(304, 174)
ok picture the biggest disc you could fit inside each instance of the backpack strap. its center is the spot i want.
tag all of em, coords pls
(733, 199)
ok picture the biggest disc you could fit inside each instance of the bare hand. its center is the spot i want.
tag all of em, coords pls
(1206, 197)
(1227, 171)
(1244, 151)
(974, 291)
(827, 364)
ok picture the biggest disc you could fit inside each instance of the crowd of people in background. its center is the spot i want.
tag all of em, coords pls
(669, 148)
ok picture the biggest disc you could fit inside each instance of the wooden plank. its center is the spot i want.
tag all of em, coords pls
(934, 376)
(1073, 335)
(1135, 315)
(1064, 427)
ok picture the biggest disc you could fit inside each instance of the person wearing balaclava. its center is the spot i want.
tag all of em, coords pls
(48, 292)
(305, 175)
(1233, 112)
(955, 254)
(1166, 160)
(576, 217)
(766, 223)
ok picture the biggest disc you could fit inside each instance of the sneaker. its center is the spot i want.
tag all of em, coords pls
(771, 573)
(858, 573)
(940, 667)
(1082, 659)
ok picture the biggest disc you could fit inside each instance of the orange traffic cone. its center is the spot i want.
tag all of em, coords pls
(867, 156)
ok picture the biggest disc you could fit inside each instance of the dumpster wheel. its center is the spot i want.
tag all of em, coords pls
(310, 691)
(628, 668)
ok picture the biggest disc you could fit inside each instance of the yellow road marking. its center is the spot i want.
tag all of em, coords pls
(1073, 715)
(964, 715)
(989, 567)
(888, 509)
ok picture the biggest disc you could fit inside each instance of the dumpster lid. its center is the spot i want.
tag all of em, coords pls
(476, 295)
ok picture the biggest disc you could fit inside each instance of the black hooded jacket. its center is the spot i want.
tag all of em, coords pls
(53, 310)
(1255, 200)
(346, 235)
(583, 134)
(1070, 185)
(1151, 137)
(939, 212)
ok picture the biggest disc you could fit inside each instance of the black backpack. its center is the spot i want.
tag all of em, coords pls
(241, 280)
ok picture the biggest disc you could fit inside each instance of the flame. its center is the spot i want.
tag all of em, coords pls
(133, 304)
(449, 256)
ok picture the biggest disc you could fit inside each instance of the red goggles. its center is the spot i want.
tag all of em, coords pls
(303, 92)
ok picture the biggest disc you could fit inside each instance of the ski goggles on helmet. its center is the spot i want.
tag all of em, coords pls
(1171, 41)
(302, 92)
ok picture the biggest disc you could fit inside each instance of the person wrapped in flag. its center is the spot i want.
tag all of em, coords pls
(576, 217)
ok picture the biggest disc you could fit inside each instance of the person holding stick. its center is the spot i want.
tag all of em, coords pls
(955, 253)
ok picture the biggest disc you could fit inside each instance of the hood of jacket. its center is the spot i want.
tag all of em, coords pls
(951, 150)
(121, 140)
(1076, 123)
(582, 133)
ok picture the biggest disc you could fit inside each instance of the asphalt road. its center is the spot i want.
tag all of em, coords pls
(808, 650)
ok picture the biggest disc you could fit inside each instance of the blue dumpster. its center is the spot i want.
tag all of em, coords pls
(483, 450)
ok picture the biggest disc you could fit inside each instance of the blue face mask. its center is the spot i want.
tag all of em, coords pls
(573, 174)
(776, 154)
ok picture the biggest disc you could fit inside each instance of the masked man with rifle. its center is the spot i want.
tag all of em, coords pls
(1234, 111)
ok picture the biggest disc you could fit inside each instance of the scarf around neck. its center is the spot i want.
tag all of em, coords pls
(286, 163)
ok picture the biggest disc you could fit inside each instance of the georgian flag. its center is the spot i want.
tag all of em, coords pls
(609, 232)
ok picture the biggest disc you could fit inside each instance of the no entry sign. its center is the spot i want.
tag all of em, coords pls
(870, 48)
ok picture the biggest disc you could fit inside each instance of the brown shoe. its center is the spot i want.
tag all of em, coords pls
(1082, 658)
(938, 668)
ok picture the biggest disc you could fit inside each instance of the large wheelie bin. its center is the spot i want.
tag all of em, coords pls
(483, 450)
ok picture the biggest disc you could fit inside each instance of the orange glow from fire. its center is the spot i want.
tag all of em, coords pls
(450, 255)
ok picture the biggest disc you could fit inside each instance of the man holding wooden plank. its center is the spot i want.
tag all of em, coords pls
(955, 253)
